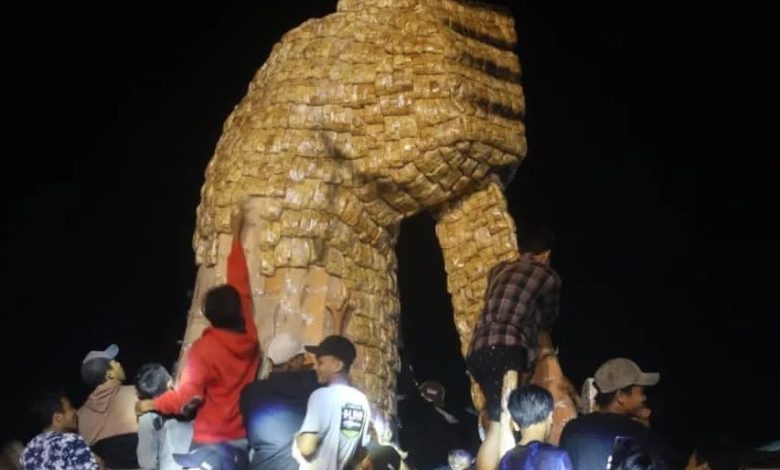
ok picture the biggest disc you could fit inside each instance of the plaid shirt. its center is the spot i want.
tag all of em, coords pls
(522, 298)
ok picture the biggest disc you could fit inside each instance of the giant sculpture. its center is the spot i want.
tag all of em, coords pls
(381, 110)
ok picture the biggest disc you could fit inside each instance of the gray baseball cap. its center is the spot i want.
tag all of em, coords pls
(94, 371)
(621, 373)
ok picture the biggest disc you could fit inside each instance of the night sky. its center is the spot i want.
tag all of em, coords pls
(649, 154)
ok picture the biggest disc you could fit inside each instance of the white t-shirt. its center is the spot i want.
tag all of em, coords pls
(339, 415)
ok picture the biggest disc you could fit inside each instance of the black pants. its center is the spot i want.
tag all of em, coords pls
(488, 367)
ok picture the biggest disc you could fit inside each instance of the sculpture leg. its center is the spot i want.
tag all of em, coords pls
(475, 233)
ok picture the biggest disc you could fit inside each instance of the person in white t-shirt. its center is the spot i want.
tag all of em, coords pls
(337, 416)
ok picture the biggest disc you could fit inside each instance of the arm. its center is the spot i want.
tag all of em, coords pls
(307, 443)
(192, 386)
(238, 272)
(549, 301)
(148, 443)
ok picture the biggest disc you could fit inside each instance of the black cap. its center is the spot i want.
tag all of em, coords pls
(337, 346)
(385, 458)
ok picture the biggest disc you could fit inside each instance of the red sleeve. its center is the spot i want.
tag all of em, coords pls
(191, 385)
(238, 277)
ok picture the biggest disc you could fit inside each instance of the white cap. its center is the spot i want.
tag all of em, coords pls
(284, 347)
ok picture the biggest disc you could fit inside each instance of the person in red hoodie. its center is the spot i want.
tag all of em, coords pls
(221, 362)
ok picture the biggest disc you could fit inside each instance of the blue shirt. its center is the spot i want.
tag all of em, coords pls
(58, 451)
(536, 456)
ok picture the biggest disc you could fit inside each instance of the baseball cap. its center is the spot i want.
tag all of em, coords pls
(94, 371)
(385, 458)
(284, 347)
(337, 346)
(620, 373)
(210, 457)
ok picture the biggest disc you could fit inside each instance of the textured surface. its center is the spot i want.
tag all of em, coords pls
(381, 110)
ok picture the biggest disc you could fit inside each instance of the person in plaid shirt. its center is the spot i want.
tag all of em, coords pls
(521, 304)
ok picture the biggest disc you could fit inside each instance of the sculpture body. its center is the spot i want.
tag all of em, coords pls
(357, 120)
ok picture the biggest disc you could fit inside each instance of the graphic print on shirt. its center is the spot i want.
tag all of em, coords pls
(352, 419)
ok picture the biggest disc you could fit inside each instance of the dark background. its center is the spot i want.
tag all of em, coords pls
(650, 154)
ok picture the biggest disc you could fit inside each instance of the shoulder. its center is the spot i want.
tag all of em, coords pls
(553, 450)
(253, 390)
(580, 424)
(147, 419)
(323, 393)
(357, 395)
(129, 392)
(544, 270)
(73, 440)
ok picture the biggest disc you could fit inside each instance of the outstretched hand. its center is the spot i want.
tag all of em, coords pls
(143, 406)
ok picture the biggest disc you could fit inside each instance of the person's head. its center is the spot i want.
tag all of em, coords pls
(433, 392)
(222, 308)
(100, 366)
(538, 242)
(335, 355)
(53, 411)
(459, 459)
(382, 457)
(531, 408)
(11, 455)
(287, 353)
(152, 381)
(621, 386)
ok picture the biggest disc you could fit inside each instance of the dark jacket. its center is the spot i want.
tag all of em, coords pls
(590, 440)
(273, 411)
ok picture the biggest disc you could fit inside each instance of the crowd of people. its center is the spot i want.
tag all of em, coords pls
(306, 415)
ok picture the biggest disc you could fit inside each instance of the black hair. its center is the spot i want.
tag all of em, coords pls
(222, 307)
(603, 400)
(536, 240)
(530, 404)
(44, 405)
(151, 381)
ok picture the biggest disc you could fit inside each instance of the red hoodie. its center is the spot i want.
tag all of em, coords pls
(218, 366)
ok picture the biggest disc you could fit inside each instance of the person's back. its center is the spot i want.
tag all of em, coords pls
(273, 411)
(107, 420)
(536, 455)
(159, 437)
(589, 439)
(531, 408)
